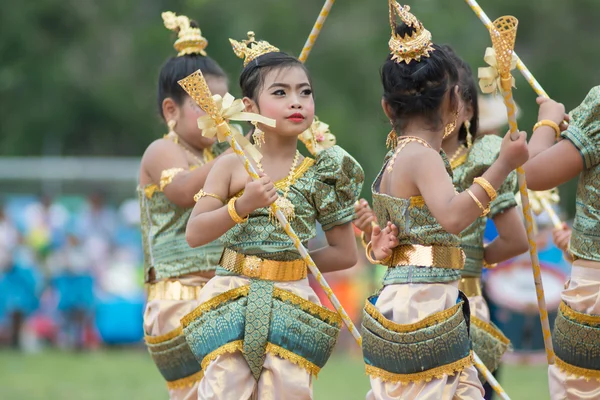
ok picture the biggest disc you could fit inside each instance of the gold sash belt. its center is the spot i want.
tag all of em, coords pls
(427, 256)
(256, 267)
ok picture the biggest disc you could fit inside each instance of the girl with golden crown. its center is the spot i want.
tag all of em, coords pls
(575, 373)
(260, 330)
(172, 171)
(416, 340)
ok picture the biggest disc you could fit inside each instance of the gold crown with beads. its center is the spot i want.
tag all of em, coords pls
(190, 39)
(413, 46)
(250, 49)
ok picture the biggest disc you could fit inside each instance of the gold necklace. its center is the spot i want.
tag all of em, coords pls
(282, 202)
(206, 153)
(402, 142)
(458, 152)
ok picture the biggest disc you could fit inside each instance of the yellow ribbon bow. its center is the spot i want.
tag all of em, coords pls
(318, 137)
(232, 109)
(489, 77)
(540, 200)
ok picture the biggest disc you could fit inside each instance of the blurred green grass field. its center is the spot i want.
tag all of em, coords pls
(129, 374)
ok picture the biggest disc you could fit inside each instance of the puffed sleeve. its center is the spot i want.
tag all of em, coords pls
(584, 128)
(337, 184)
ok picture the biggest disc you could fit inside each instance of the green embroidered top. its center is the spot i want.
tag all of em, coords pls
(416, 225)
(584, 133)
(480, 157)
(163, 235)
(323, 189)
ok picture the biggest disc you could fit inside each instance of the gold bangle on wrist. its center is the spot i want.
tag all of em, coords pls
(368, 250)
(233, 213)
(489, 189)
(484, 211)
(363, 240)
(551, 124)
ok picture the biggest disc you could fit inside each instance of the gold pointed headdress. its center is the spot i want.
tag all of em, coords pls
(410, 47)
(250, 49)
(190, 40)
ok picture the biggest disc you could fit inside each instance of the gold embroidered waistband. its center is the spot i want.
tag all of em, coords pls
(427, 256)
(582, 318)
(256, 267)
(470, 286)
(172, 290)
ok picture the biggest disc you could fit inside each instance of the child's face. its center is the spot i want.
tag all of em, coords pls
(286, 97)
(187, 124)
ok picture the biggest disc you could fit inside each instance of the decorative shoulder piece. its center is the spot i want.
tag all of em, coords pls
(190, 40)
(318, 137)
(250, 49)
(413, 46)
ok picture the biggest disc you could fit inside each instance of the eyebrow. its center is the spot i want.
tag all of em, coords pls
(286, 86)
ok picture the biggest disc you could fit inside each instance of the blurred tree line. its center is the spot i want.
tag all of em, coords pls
(78, 77)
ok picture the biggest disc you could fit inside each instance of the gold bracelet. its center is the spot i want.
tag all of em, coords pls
(489, 189)
(202, 194)
(233, 213)
(368, 250)
(363, 240)
(484, 211)
(551, 124)
(488, 265)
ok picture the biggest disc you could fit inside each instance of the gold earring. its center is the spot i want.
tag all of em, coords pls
(469, 135)
(450, 127)
(258, 136)
(171, 124)
(392, 137)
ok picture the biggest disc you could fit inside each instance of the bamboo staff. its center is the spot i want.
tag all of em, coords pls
(504, 33)
(314, 33)
(195, 85)
(489, 377)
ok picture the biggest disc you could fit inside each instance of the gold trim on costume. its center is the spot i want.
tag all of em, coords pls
(275, 350)
(489, 329)
(163, 338)
(293, 358)
(258, 268)
(585, 373)
(215, 302)
(307, 305)
(186, 382)
(228, 348)
(166, 177)
(417, 201)
(172, 290)
(300, 170)
(427, 256)
(425, 376)
(470, 286)
(431, 320)
(459, 161)
(587, 319)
